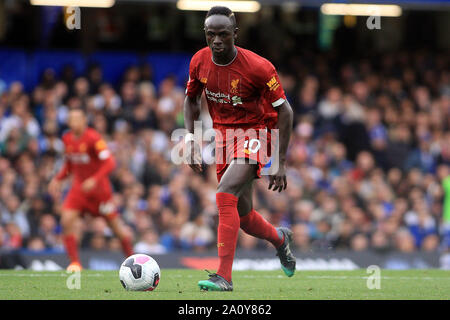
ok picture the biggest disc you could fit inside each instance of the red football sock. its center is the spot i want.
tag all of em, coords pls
(255, 225)
(127, 246)
(227, 232)
(71, 245)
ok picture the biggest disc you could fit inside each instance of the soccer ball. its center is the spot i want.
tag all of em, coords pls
(139, 272)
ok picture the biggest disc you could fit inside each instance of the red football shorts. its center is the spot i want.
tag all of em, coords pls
(253, 145)
(97, 204)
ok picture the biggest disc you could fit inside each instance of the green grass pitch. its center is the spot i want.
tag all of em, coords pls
(248, 285)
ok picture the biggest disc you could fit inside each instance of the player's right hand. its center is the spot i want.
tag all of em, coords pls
(54, 188)
(278, 180)
(194, 158)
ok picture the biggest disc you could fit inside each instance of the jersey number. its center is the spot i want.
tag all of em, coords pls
(252, 145)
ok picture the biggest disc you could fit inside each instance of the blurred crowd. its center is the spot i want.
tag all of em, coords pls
(368, 154)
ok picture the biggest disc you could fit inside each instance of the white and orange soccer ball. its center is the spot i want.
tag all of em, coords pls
(139, 272)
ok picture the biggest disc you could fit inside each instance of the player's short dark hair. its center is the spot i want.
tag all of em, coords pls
(223, 11)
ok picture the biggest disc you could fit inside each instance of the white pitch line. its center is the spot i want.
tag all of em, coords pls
(351, 277)
(382, 277)
(46, 275)
(243, 276)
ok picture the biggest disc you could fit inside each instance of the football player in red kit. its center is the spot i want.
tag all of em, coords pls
(244, 94)
(89, 161)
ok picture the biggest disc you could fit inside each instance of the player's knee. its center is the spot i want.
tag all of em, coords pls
(118, 228)
(68, 219)
(228, 188)
(243, 212)
(244, 207)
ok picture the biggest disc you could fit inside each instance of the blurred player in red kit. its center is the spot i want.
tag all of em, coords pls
(89, 161)
(244, 94)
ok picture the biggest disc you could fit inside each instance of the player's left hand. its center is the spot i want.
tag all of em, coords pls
(88, 184)
(278, 180)
(194, 158)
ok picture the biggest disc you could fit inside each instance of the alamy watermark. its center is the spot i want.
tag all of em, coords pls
(374, 279)
(223, 146)
(374, 19)
(73, 280)
(72, 18)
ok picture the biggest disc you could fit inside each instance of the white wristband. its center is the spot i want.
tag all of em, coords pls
(188, 137)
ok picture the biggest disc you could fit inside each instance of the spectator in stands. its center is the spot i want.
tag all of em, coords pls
(149, 243)
(197, 233)
(36, 244)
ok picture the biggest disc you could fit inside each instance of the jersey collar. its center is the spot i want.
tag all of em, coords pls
(232, 60)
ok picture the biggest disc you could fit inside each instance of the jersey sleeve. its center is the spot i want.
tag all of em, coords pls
(99, 146)
(102, 152)
(270, 85)
(194, 86)
(66, 168)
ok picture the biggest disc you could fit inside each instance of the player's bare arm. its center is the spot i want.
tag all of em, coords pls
(107, 165)
(54, 187)
(88, 184)
(192, 107)
(285, 121)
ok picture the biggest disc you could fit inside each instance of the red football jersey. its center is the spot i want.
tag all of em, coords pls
(87, 156)
(242, 93)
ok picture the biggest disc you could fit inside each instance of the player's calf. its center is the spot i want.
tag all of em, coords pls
(118, 227)
(68, 222)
